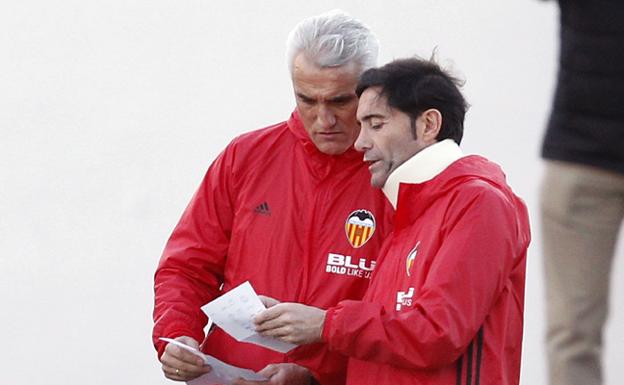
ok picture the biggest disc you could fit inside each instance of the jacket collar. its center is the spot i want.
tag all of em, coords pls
(422, 167)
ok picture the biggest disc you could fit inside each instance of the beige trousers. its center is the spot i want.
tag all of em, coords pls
(582, 209)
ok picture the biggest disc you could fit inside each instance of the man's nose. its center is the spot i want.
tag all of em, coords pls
(325, 117)
(362, 143)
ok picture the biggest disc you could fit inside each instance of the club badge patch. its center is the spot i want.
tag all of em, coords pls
(409, 261)
(360, 226)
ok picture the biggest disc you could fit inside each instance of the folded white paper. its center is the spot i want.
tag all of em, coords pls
(221, 373)
(233, 312)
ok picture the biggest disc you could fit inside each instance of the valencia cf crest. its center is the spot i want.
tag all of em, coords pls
(411, 257)
(360, 226)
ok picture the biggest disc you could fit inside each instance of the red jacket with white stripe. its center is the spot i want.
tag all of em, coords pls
(300, 225)
(445, 305)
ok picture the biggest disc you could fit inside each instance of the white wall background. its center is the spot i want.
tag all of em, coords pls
(110, 112)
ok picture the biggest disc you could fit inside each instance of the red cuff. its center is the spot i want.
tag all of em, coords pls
(329, 317)
(174, 332)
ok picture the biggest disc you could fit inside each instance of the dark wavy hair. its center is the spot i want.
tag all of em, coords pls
(415, 85)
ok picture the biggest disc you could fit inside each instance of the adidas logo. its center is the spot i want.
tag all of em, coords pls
(263, 209)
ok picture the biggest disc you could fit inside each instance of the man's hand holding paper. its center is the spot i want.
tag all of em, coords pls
(234, 311)
(181, 364)
(292, 323)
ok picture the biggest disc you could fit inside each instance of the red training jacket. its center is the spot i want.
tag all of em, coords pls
(300, 225)
(445, 305)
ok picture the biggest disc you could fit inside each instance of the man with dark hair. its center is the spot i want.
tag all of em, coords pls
(416, 85)
(445, 305)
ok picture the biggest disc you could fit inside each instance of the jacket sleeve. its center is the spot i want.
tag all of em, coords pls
(190, 271)
(482, 241)
(327, 367)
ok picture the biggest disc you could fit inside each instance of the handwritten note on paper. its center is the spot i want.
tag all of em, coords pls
(233, 312)
(221, 372)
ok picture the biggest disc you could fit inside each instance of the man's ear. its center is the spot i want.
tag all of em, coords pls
(432, 119)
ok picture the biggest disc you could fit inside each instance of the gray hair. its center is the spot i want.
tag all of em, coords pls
(333, 39)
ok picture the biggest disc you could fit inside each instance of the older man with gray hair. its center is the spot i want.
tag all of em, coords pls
(288, 207)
